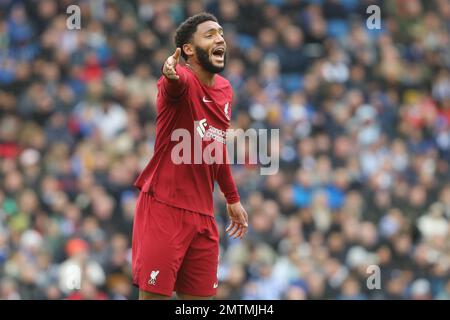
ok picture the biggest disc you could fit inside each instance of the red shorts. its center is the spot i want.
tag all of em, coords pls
(174, 249)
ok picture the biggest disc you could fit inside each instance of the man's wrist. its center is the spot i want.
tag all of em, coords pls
(233, 200)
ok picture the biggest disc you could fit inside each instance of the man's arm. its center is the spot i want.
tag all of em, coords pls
(236, 212)
(175, 78)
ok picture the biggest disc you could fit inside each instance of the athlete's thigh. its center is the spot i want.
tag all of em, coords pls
(161, 245)
(197, 276)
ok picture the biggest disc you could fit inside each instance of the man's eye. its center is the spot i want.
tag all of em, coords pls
(209, 36)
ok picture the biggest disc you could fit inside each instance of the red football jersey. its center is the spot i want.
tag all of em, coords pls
(204, 112)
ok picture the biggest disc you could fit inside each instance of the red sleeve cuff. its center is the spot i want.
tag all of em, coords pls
(232, 197)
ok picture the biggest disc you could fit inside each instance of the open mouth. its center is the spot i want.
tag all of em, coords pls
(219, 52)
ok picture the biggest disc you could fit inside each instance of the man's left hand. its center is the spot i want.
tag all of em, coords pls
(239, 220)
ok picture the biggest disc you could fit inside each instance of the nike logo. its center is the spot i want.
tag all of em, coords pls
(206, 100)
(215, 285)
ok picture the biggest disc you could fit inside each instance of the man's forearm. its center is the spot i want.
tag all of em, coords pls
(227, 184)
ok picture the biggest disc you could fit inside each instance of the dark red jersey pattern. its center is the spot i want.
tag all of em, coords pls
(198, 109)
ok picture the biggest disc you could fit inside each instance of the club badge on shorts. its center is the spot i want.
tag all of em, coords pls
(153, 276)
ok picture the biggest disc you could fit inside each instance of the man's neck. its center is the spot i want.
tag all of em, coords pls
(205, 77)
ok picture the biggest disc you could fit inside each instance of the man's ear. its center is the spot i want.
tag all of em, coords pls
(188, 49)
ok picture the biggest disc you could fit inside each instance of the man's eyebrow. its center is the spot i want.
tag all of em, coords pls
(214, 29)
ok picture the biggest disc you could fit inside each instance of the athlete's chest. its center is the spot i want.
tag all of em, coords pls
(212, 105)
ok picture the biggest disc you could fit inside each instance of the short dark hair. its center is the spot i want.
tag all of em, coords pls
(186, 30)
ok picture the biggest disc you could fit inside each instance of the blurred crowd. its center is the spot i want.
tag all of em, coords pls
(364, 119)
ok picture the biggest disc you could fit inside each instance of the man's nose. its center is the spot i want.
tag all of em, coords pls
(220, 39)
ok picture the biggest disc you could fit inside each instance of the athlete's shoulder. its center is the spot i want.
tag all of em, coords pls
(183, 68)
